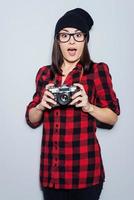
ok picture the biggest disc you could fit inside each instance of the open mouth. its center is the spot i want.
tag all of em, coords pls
(72, 51)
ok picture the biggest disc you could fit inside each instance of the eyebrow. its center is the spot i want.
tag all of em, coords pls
(69, 31)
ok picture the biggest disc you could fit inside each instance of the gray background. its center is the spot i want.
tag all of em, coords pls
(26, 38)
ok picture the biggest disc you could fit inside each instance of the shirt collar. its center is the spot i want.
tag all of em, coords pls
(79, 65)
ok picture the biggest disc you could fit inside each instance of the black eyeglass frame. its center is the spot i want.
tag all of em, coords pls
(71, 34)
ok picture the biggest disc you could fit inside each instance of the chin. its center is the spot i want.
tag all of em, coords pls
(72, 60)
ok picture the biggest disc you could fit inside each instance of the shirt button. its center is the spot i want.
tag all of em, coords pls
(57, 113)
(55, 164)
(55, 145)
(57, 125)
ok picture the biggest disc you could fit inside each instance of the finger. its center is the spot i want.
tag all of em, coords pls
(49, 85)
(79, 93)
(79, 104)
(49, 100)
(81, 88)
(76, 100)
(46, 105)
(49, 94)
(79, 85)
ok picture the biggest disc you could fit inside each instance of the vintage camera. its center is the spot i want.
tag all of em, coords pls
(63, 94)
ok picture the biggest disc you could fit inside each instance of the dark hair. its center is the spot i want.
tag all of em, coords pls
(57, 58)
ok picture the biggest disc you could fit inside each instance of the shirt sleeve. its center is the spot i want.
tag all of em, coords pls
(106, 96)
(36, 99)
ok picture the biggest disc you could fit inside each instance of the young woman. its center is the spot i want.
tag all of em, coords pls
(71, 166)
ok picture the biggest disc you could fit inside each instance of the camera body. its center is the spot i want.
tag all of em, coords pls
(62, 95)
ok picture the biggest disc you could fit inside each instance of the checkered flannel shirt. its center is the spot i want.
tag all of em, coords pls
(70, 152)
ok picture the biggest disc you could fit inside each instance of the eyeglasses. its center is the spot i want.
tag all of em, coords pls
(65, 37)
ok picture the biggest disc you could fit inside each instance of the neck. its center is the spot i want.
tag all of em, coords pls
(69, 65)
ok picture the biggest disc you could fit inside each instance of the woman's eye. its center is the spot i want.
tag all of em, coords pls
(63, 35)
(79, 34)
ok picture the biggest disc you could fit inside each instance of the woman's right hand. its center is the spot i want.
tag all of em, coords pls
(48, 98)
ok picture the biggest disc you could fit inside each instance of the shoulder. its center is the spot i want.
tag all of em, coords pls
(101, 72)
(100, 67)
(44, 69)
(43, 72)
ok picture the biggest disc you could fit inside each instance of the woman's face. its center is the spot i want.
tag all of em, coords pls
(71, 47)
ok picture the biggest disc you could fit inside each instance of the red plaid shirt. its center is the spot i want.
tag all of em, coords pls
(70, 153)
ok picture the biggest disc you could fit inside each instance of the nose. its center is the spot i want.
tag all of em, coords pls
(71, 41)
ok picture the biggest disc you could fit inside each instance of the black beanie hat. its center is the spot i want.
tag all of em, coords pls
(76, 18)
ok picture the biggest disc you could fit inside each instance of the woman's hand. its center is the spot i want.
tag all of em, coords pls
(35, 114)
(48, 98)
(80, 98)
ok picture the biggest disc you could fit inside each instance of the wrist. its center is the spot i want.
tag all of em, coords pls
(89, 108)
(40, 107)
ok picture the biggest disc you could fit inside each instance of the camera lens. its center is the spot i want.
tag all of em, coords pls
(64, 99)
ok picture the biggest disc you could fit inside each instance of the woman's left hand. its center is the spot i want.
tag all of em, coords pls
(80, 98)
